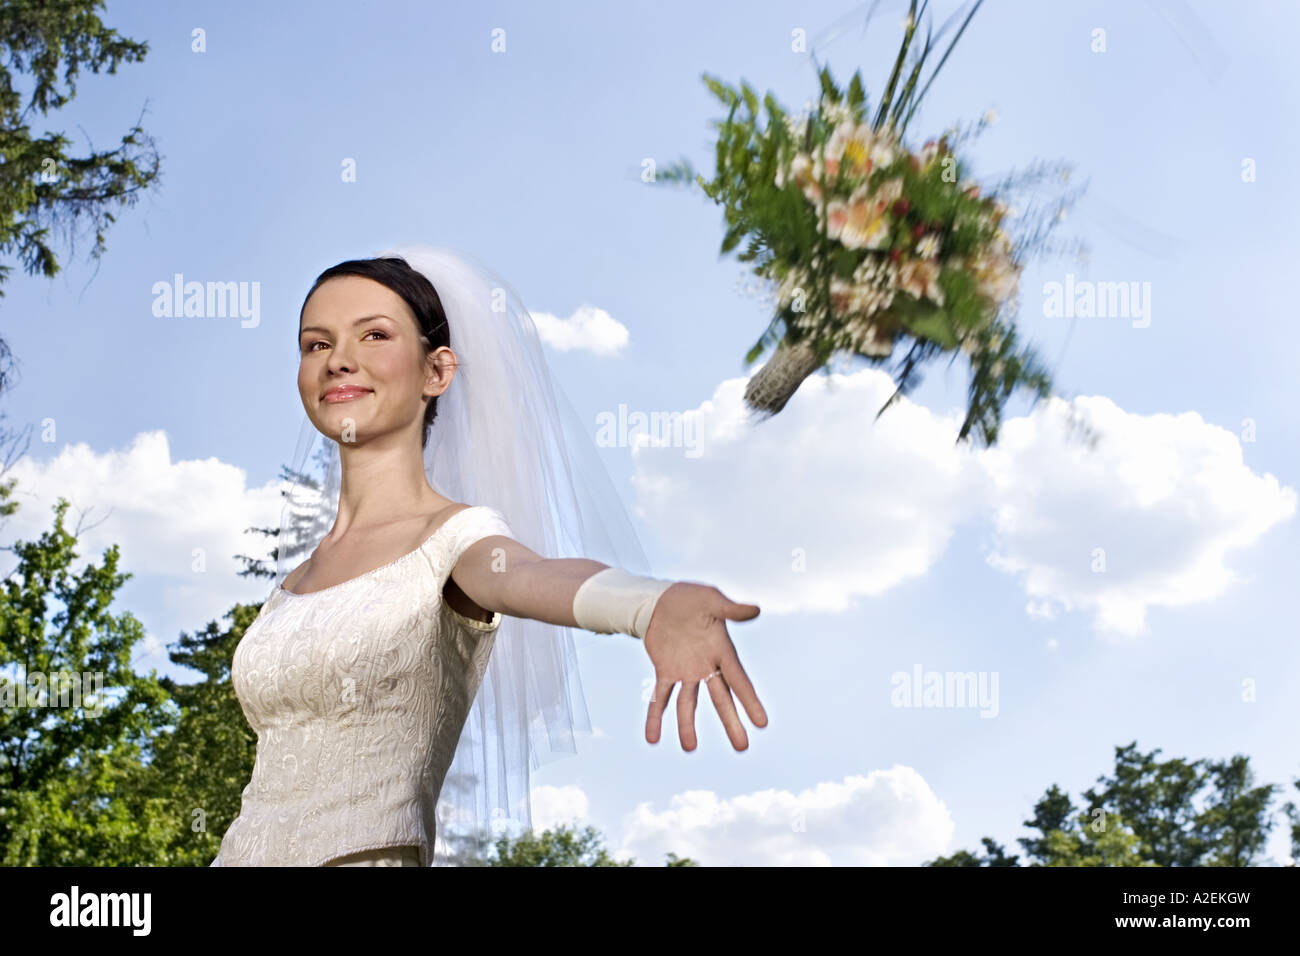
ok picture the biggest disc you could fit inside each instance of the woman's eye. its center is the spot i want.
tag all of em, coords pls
(312, 346)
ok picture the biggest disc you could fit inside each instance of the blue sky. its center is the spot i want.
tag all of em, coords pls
(916, 554)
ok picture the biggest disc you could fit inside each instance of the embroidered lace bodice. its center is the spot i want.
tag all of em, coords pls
(358, 694)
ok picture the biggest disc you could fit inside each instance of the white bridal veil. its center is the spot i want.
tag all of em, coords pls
(504, 436)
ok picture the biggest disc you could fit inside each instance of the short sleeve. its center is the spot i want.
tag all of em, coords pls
(468, 526)
(459, 532)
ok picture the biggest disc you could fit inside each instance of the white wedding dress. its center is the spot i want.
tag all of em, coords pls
(358, 694)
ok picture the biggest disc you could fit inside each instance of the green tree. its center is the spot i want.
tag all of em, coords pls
(563, 846)
(1149, 812)
(44, 45)
(76, 722)
(1100, 840)
(1292, 813)
(201, 766)
(1155, 798)
(994, 855)
(7, 505)
(1159, 801)
(1235, 825)
(1051, 813)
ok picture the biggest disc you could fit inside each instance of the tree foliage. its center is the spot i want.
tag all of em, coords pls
(563, 846)
(44, 184)
(70, 763)
(1148, 812)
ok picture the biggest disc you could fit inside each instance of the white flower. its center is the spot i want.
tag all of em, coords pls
(889, 192)
(856, 303)
(794, 280)
(804, 171)
(836, 113)
(928, 247)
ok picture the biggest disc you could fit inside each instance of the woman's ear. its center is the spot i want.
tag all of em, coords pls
(441, 364)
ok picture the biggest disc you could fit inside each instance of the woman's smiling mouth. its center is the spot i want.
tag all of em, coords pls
(344, 393)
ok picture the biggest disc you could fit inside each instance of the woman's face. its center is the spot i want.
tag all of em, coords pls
(362, 370)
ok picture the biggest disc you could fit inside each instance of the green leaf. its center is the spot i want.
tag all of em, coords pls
(829, 89)
(934, 326)
(733, 237)
(856, 94)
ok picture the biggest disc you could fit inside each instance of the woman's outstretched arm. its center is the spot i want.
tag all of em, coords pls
(500, 574)
(686, 638)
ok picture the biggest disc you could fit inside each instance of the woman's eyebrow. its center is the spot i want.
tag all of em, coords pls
(364, 318)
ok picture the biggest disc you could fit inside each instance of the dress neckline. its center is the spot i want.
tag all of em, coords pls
(383, 567)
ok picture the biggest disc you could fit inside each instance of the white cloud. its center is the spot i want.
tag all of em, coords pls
(1041, 610)
(1147, 518)
(887, 818)
(556, 806)
(589, 329)
(859, 507)
(158, 511)
(862, 506)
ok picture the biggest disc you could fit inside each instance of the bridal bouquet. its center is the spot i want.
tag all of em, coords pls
(870, 243)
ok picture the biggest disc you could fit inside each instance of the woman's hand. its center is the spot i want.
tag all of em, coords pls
(687, 640)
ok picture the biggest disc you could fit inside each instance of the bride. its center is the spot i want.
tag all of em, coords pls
(403, 677)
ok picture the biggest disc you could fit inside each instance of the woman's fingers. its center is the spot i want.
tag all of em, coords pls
(738, 681)
(655, 715)
(686, 699)
(720, 691)
(730, 678)
(735, 611)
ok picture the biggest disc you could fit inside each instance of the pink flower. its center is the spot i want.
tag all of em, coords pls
(920, 277)
(860, 223)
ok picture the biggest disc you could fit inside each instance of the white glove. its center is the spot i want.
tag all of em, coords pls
(614, 601)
